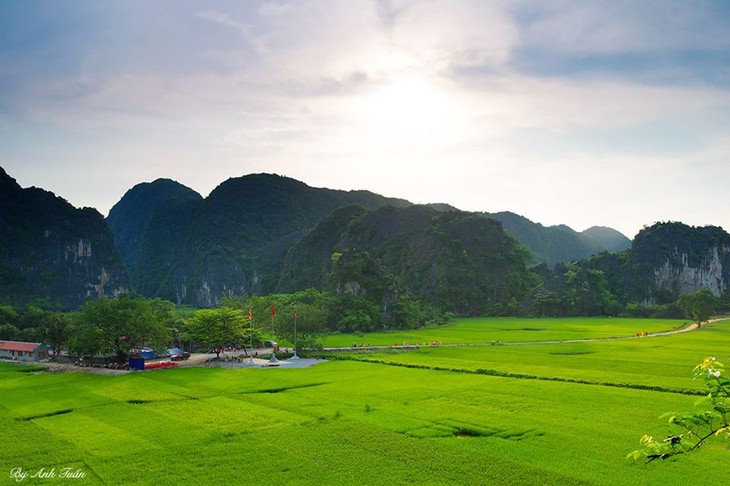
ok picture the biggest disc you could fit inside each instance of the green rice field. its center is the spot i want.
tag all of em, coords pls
(561, 413)
(484, 330)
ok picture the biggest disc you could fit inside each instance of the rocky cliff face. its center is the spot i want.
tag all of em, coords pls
(51, 250)
(670, 259)
(678, 275)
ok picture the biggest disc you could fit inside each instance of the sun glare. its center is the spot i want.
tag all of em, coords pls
(409, 111)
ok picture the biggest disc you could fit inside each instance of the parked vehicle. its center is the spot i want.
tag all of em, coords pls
(270, 344)
(177, 354)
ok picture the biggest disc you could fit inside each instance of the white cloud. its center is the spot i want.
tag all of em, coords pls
(415, 99)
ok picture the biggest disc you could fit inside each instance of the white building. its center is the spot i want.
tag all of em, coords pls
(20, 351)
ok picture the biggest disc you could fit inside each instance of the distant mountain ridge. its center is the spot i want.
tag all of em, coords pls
(556, 244)
(230, 243)
(53, 251)
(264, 233)
(190, 249)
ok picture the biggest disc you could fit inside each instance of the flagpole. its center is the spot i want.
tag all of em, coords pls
(250, 324)
(295, 336)
(273, 349)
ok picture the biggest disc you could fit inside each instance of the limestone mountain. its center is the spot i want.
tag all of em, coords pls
(666, 260)
(52, 250)
(670, 259)
(556, 244)
(601, 238)
(180, 246)
(457, 260)
(130, 218)
(265, 233)
(196, 251)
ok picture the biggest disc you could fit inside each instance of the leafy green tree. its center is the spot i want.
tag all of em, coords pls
(542, 302)
(30, 335)
(117, 326)
(214, 328)
(54, 330)
(699, 306)
(697, 427)
(31, 317)
(407, 312)
(8, 315)
(8, 332)
(585, 292)
(309, 324)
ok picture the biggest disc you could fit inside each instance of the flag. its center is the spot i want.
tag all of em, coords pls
(250, 314)
(295, 314)
(273, 312)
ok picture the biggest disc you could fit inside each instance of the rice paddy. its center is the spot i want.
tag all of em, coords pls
(497, 414)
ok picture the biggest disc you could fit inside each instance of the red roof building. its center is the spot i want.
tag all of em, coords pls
(21, 351)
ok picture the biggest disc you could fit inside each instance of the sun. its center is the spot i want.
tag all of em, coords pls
(409, 111)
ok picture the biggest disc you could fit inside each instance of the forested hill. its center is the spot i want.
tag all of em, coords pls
(665, 261)
(456, 260)
(130, 218)
(265, 233)
(51, 250)
(189, 249)
(556, 244)
(230, 243)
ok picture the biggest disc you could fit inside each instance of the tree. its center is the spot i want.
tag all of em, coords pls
(8, 315)
(54, 330)
(117, 326)
(699, 306)
(694, 428)
(214, 328)
(8, 332)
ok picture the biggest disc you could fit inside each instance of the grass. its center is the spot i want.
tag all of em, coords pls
(509, 330)
(357, 422)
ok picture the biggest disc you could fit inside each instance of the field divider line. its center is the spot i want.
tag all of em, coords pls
(522, 376)
(687, 328)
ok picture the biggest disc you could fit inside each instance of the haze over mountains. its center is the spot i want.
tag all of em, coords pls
(265, 233)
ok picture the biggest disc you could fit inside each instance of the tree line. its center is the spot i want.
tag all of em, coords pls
(116, 327)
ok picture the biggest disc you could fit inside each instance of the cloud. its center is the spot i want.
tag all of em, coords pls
(487, 105)
(650, 42)
(246, 30)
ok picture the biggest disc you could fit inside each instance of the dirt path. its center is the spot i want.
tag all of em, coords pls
(690, 327)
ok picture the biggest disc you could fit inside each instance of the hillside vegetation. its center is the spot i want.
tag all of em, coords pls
(53, 252)
(383, 262)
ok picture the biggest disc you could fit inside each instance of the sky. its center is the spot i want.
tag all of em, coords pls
(611, 113)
